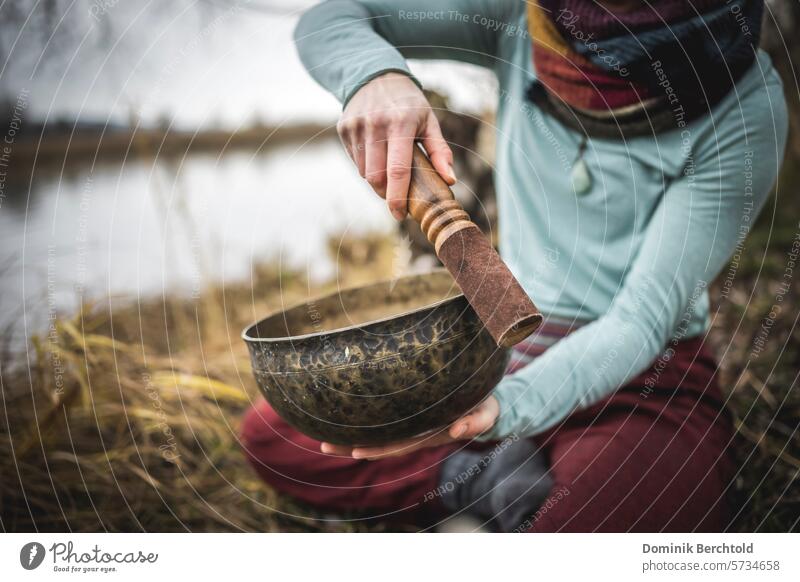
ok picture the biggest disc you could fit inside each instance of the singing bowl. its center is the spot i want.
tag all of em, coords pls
(377, 363)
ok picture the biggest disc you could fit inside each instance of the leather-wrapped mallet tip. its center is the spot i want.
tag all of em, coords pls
(491, 289)
(520, 330)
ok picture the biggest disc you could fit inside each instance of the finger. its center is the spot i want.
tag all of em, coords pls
(459, 428)
(438, 151)
(331, 449)
(473, 424)
(402, 447)
(485, 415)
(358, 150)
(398, 170)
(385, 450)
(350, 130)
(375, 162)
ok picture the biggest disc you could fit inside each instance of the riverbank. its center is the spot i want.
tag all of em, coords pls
(125, 417)
(71, 146)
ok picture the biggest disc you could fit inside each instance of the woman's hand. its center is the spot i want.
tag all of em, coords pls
(476, 422)
(378, 128)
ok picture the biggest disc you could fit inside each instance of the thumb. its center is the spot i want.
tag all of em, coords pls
(438, 151)
(478, 421)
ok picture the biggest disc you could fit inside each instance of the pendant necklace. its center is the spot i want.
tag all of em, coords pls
(580, 176)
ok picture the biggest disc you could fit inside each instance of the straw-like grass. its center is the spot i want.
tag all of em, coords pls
(757, 340)
(125, 417)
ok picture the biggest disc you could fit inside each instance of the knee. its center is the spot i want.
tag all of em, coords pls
(261, 431)
(257, 424)
(269, 445)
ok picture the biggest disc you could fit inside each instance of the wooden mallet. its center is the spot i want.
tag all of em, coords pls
(493, 292)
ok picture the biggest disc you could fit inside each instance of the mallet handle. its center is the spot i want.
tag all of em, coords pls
(491, 289)
(432, 204)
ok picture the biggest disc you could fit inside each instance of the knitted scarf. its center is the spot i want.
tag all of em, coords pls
(653, 66)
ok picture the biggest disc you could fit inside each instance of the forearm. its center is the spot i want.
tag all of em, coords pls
(346, 43)
(339, 47)
(690, 237)
(577, 372)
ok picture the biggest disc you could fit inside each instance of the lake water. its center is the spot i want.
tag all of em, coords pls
(142, 228)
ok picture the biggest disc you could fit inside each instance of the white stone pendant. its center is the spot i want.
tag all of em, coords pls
(581, 177)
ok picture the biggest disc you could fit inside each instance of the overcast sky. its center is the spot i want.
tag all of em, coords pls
(196, 62)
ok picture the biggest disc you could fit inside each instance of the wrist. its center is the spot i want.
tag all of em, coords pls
(390, 74)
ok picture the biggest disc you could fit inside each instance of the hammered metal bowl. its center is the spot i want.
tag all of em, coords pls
(377, 363)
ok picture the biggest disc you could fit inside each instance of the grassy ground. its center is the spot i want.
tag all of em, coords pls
(124, 417)
(757, 341)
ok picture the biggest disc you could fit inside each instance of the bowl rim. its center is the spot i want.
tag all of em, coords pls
(440, 270)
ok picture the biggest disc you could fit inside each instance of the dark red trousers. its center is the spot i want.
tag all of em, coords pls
(651, 457)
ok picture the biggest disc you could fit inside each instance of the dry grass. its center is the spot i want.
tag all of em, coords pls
(126, 417)
(759, 366)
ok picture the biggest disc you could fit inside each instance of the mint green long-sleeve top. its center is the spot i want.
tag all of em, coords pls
(635, 254)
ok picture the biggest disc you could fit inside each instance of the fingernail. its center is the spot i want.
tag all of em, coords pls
(451, 173)
(398, 215)
(460, 432)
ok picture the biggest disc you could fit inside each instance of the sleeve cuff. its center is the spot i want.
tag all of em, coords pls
(352, 89)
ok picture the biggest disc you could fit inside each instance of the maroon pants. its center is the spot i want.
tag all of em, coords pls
(650, 457)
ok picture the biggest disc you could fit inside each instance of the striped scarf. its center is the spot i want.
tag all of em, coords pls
(656, 65)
